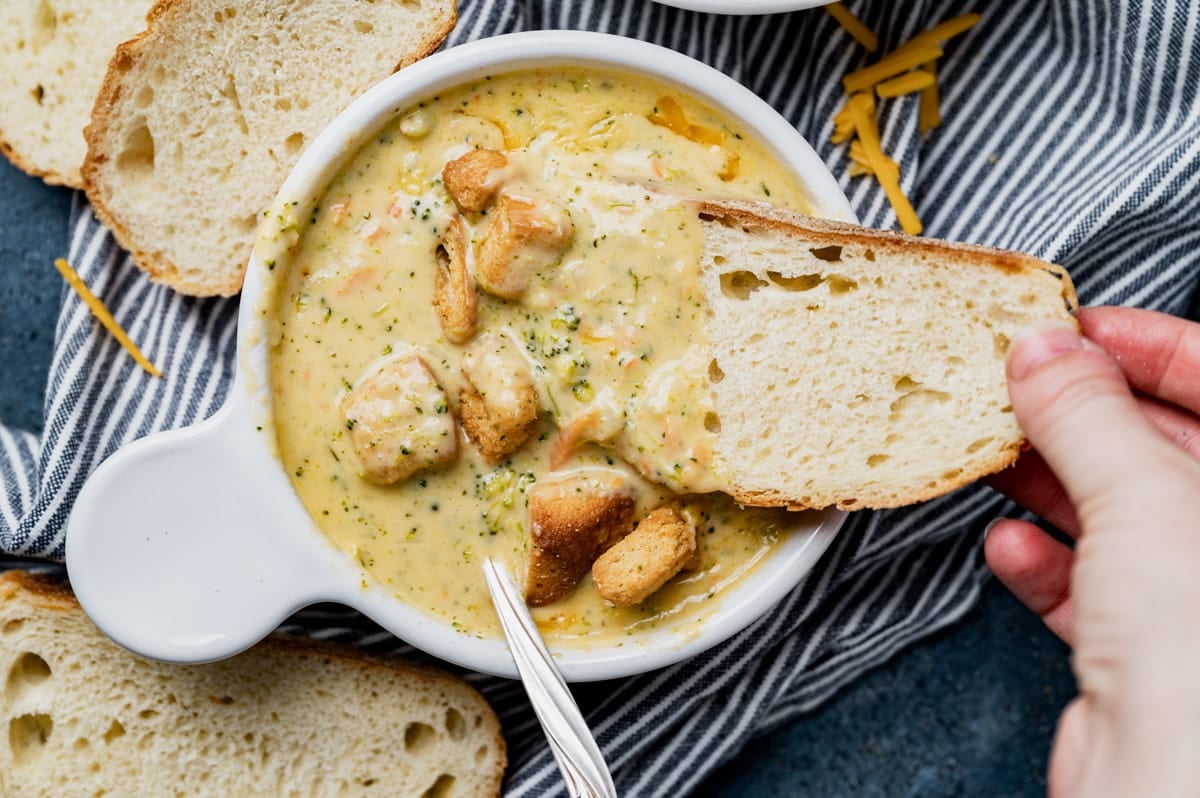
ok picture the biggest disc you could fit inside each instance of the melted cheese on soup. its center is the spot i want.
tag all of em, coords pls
(612, 331)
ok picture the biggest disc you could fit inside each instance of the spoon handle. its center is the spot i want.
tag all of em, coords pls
(571, 741)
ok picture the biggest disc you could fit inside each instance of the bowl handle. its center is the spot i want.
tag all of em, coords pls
(190, 545)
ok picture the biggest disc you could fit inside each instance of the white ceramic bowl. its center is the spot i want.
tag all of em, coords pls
(191, 545)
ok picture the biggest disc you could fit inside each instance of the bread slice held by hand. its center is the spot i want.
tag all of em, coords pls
(862, 368)
(200, 118)
(287, 717)
(52, 59)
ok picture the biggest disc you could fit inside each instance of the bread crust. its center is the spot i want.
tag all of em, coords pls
(151, 260)
(571, 523)
(51, 594)
(968, 476)
(454, 296)
(468, 178)
(48, 176)
(762, 215)
(637, 565)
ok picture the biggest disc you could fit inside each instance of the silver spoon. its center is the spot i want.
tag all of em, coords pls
(571, 741)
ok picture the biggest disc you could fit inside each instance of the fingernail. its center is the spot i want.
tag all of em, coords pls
(1039, 344)
(987, 530)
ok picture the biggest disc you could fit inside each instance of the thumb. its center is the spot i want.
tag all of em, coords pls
(1069, 752)
(1073, 403)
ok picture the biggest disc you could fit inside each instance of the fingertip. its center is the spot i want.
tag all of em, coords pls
(1006, 548)
(1037, 345)
(1035, 568)
(1069, 752)
(1065, 392)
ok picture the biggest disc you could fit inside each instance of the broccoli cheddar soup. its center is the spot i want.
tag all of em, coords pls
(490, 342)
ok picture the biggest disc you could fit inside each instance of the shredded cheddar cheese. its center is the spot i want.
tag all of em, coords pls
(861, 164)
(905, 84)
(940, 33)
(854, 26)
(101, 313)
(669, 113)
(909, 68)
(843, 123)
(929, 115)
(892, 64)
(887, 172)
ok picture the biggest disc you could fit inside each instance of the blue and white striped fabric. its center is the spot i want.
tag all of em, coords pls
(1072, 132)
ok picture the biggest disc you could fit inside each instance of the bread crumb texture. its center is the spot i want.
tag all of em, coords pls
(53, 54)
(288, 717)
(201, 117)
(862, 368)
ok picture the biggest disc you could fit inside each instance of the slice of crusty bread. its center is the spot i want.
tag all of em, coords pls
(862, 368)
(201, 117)
(52, 59)
(288, 717)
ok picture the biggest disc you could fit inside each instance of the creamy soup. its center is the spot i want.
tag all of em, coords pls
(404, 292)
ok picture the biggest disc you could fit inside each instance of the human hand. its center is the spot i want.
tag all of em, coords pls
(1121, 474)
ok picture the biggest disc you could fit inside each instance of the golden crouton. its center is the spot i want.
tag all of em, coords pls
(454, 296)
(399, 422)
(499, 407)
(571, 523)
(658, 548)
(522, 238)
(472, 179)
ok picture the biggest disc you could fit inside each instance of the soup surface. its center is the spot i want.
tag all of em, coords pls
(608, 324)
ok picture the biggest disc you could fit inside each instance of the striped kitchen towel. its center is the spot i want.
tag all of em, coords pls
(1072, 132)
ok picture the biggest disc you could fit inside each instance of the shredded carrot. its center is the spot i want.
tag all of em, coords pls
(929, 115)
(905, 84)
(854, 26)
(571, 437)
(100, 312)
(886, 171)
(894, 63)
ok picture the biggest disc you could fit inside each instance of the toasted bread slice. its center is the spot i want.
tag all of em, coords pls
(200, 118)
(862, 368)
(53, 57)
(287, 717)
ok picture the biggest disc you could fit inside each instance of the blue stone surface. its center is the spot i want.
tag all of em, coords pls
(970, 712)
(33, 232)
